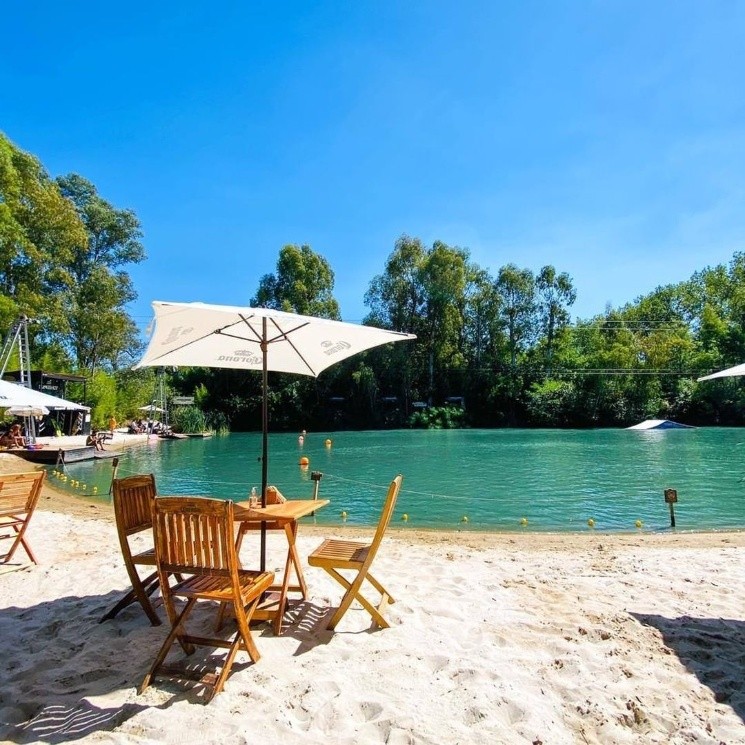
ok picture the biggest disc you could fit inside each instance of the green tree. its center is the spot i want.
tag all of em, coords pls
(303, 283)
(556, 294)
(39, 231)
(99, 329)
(443, 279)
(516, 288)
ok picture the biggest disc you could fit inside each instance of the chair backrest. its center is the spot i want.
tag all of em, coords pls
(133, 503)
(194, 535)
(385, 515)
(19, 492)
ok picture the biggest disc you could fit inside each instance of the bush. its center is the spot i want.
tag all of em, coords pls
(439, 417)
(189, 419)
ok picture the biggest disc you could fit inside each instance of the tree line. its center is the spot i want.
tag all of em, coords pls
(492, 349)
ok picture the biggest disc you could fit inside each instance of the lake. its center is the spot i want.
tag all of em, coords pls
(497, 479)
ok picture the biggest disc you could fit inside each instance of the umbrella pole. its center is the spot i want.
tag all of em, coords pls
(265, 435)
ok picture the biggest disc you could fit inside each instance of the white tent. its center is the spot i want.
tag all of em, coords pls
(13, 395)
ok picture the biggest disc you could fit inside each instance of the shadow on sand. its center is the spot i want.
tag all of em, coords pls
(713, 649)
(65, 673)
(57, 656)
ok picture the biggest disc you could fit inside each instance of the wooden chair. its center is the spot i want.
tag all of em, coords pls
(133, 509)
(333, 556)
(195, 536)
(19, 495)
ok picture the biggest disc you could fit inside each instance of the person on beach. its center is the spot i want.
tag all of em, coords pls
(95, 439)
(112, 424)
(14, 438)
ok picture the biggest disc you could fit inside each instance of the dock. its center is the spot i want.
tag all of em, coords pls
(71, 454)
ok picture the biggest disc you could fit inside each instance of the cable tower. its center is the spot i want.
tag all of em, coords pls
(17, 339)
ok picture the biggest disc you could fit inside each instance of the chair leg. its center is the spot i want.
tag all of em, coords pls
(221, 617)
(243, 617)
(352, 594)
(19, 541)
(175, 629)
(243, 641)
(374, 582)
(141, 590)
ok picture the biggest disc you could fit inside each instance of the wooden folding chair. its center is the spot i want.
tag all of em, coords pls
(333, 556)
(133, 509)
(195, 537)
(19, 495)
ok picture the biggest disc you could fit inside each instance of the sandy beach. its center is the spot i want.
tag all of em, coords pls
(495, 638)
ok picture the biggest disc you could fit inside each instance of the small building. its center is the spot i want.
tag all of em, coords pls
(55, 384)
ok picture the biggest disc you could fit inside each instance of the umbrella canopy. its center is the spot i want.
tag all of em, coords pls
(730, 372)
(12, 395)
(201, 335)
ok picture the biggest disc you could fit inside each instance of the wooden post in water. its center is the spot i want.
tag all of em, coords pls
(315, 477)
(671, 497)
(114, 467)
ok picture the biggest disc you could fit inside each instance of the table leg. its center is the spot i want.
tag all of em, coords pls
(276, 614)
(291, 531)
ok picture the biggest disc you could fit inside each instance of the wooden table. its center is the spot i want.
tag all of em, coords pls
(285, 517)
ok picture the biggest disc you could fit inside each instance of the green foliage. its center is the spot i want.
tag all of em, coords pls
(102, 398)
(99, 331)
(201, 395)
(134, 388)
(303, 283)
(189, 419)
(439, 417)
(218, 423)
(551, 403)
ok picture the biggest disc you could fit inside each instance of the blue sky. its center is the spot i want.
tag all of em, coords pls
(606, 138)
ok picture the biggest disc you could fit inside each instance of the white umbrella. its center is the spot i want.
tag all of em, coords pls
(28, 410)
(152, 408)
(12, 394)
(730, 372)
(201, 335)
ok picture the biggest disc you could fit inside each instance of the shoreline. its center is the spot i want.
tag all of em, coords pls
(495, 637)
(55, 499)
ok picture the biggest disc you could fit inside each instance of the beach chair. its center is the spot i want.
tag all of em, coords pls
(336, 556)
(19, 495)
(195, 536)
(133, 510)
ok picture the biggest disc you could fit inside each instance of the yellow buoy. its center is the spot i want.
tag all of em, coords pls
(464, 519)
(638, 523)
(404, 517)
(591, 523)
(305, 461)
(343, 514)
(524, 521)
(327, 443)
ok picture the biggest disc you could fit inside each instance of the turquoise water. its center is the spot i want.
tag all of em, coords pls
(556, 479)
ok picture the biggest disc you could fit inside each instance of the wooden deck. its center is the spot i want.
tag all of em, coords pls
(71, 454)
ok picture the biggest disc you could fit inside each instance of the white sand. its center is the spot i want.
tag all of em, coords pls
(547, 639)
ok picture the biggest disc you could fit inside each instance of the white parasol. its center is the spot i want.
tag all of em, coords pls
(730, 372)
(261, 339)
